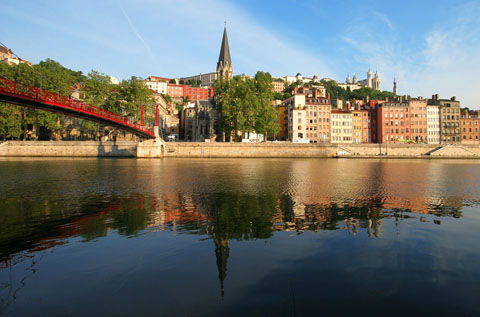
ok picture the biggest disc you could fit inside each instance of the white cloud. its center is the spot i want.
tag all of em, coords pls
(382, 17)
(446, 61)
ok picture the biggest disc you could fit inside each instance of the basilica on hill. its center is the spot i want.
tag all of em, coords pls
(370, 81)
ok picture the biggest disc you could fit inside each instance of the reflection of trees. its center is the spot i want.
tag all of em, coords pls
(223, 216)
(235, 216)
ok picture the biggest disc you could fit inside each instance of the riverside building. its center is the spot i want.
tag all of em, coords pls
(393, 123)
(341, 126)
(433, 124)
(469, 127)
(307, 116)
(418, 120)
(449, 119)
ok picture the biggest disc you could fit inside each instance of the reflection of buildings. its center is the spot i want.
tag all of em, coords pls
(338, 196)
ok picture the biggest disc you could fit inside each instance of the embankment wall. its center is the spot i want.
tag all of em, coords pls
(274, 149)
(68, 149)
(156, 149)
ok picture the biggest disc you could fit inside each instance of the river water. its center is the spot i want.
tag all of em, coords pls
(239, 237)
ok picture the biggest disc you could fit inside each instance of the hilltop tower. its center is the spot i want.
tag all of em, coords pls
(394, 85)
(377, 81)
(224, 65)
(369, 79)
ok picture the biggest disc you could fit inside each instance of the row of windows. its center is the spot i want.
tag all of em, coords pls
(470, 130)
(416, 115)
(318, 107)
(341, 116)
(339, 138)
(402, 137)
(451, 118)
(320, 113)
(319, 135)
(341, 123)
(453, 110)
(342, 131)
(470, 123)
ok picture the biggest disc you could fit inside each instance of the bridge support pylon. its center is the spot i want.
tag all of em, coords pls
(151, 148)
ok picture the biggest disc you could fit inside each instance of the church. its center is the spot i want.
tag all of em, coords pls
(224, 65)
(370, 81)
(200, 120)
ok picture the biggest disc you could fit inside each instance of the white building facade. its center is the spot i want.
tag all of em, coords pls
(296, 116)
(433, 124)
(157, 84)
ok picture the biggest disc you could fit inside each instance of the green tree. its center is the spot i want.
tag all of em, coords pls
(246, 105)
(47, 75)
(132, 95)
(11, 123)
(97, 88)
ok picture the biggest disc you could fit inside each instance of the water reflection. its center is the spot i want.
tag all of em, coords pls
(217, 200)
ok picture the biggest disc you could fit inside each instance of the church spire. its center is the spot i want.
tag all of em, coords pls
(394, 84)
(224, 65)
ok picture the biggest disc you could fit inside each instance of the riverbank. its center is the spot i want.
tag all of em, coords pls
(157, 149)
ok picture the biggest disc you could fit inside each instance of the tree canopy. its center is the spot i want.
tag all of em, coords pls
(246, 105)
(337, 92)
(124, 99)
(48, 75)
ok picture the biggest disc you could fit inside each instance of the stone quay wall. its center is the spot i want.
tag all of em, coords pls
(158, 149)
(68, 149)
(283, 149)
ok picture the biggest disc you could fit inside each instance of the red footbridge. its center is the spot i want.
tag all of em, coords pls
(23, 95)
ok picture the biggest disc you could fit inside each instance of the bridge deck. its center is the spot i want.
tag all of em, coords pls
(23, 95)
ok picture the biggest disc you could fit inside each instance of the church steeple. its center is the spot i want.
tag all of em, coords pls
(394, 84)
(224, 65)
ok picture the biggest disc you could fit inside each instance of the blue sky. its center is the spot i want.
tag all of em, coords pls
(431, 46)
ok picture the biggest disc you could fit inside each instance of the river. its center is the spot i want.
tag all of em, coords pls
(239, 237)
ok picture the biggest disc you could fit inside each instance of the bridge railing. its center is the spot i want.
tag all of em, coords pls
(54, 99)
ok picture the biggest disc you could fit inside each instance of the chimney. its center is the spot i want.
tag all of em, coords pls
(436, 97)
(453, 98)
(400, 98)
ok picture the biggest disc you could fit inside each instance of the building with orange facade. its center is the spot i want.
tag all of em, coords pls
(393, 122)
(469, 127)
(278, 85)
(418, 120)
(357, 121)
(370, 134)
(192, 93)
(318, 118)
